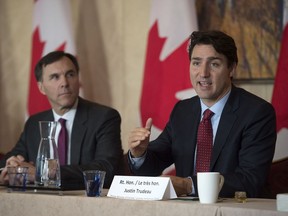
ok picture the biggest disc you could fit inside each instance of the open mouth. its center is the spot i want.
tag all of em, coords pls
(205, 83)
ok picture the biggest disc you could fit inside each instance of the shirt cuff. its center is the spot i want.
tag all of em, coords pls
(136, 162)
(193, 188)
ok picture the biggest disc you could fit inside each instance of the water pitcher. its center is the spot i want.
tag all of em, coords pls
(47, 162)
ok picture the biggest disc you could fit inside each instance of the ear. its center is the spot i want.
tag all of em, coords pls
(41, 88)
(232, 71)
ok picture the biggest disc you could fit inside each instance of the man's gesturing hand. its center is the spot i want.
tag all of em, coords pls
(139, 139)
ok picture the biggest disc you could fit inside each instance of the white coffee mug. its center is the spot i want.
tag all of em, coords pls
(209, 186)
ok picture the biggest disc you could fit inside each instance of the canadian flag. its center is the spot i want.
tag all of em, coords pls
(279, 97)
(52, 30)
(166, 74)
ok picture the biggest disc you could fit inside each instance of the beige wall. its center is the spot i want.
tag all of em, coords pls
(111, 42)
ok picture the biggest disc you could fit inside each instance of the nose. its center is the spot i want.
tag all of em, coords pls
(204, 70)
(64, 81)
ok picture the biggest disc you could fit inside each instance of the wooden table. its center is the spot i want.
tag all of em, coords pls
(76, 203)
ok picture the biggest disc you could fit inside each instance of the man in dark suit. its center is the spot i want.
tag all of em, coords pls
(244, 126)
(93, 129)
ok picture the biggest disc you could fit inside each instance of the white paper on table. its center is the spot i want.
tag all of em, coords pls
(142, 188)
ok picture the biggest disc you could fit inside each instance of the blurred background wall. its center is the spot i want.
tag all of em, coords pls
(111, 38)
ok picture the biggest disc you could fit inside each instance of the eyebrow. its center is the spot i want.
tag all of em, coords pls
(68, 71)
(209, 58)
(53, 74)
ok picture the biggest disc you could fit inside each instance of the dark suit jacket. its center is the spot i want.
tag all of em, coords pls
(95, 142)
(243, 147)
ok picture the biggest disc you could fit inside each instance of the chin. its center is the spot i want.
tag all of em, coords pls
(205, 96)
(68, 104)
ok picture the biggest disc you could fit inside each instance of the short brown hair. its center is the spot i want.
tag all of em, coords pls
(222, 43)
(50, 58)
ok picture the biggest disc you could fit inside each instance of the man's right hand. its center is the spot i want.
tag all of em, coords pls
(16, 161)
(139, 139)
(12, 161)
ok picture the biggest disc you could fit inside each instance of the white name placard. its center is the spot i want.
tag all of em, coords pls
(142, 188)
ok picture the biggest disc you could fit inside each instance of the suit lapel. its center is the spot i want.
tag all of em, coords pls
(197, 110)
(78, 131)
(226, 123)
(190, 127)
(48, 116)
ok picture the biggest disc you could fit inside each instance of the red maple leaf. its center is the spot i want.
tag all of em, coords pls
(279, 98)
(162, 79)
(36, 101)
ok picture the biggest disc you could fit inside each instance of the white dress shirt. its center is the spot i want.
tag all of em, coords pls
(217, 109)
(69, 116)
